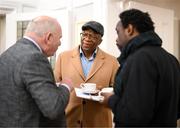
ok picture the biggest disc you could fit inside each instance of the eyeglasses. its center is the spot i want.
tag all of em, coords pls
(90, 36)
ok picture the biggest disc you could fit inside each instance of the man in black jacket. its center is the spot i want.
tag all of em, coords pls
(146, 90)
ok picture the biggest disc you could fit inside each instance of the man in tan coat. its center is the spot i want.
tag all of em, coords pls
(87, 64)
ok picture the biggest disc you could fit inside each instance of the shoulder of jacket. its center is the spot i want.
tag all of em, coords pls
(69, 52)
(108, 55)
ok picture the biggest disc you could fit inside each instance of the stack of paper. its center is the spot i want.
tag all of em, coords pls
(79, 93)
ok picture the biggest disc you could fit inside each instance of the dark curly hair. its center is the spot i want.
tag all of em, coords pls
(140, 20)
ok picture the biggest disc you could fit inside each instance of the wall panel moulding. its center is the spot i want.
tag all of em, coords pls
(4, 10)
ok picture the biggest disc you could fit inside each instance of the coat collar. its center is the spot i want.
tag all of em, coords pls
(144, 39)
(34, 42)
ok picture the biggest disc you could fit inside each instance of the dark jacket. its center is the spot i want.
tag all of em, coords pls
(146, 85)
(28, 94)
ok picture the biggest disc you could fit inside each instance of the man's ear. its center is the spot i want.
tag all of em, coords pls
(130, 30)
(100, 40)
(48, 37)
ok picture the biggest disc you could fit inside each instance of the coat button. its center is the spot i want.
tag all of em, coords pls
(84, 102)
(78, 121)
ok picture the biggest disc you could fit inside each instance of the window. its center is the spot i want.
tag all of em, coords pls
(21, 27)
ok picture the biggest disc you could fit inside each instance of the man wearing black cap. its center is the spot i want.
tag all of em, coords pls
(87, 64)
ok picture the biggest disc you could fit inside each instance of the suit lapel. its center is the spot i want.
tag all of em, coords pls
(76, 62)
(98, 63)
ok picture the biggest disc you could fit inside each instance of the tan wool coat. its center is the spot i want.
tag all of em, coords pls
(81, 112)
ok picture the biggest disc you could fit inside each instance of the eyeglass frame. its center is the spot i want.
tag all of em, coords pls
(90, 36)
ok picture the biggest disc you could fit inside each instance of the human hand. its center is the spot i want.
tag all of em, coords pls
(69, 83)
(106, 96)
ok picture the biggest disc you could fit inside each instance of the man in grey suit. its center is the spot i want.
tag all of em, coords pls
(29, 96)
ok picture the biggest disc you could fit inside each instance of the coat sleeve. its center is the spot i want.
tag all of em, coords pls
(136, 103)
(39, 80)
(179, 110)
(178, 114)
(178, 117)
(114, 70)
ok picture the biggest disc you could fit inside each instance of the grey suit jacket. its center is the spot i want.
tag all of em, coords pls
(28, 94)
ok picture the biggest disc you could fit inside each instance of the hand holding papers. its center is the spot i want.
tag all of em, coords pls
(96, 95)
(81, 94)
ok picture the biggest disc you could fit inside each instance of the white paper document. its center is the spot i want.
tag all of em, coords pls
(79, 93)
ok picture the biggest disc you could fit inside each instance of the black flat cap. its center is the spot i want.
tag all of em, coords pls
(95, 26)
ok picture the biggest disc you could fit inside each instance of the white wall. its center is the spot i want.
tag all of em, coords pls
(11, 27)
(113, 9)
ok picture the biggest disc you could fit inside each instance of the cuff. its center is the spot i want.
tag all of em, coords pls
(65, 85)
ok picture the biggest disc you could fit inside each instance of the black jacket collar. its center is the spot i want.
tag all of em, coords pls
(144, 39)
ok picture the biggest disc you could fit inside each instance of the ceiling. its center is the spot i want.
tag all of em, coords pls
(34, 3)
(9, 5)
(14, 3)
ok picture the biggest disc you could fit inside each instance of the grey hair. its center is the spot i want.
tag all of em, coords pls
(39, 27)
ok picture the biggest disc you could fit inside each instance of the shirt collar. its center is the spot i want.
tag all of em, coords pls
(34, 42)
(93, 55)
